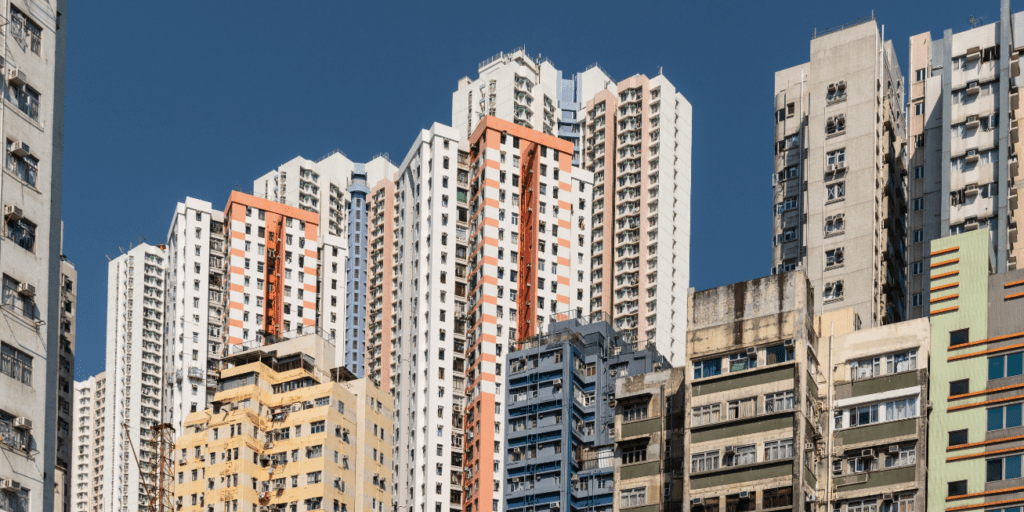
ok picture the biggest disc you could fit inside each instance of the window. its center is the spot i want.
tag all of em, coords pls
(22, 232)
(26, 31)
(708, 368)
(741, 408)
(834, 224)
(959, 337)
(633, 497)
(834, 257)
(918, 236)
(918, 172)
(741, 361)
(778, 354)
(919, 75)
(26, 167)
(901, 362)
(790, 203)
(905, 455)
(959, 387)
(1002, 468)
(835, 124)
(862, 506)
(836, 157)
(919, 204)
(634, 455)
(634, 411)
(316, 427)
(782, 449)
(15, 364)
(27, 99)
(833, 290)
(918, 141)
(706, 415)
(917, 268)
(706, 461)
(957, 488)
(835, 191)
(776, 402)
(865, 369)
(958, 437)
(919, 109)
(1005, 366)
(776, 498)
(742, 456)
(1007, 416)
(916, 300)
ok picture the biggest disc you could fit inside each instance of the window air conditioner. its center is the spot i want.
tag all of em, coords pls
(26, 290)
(867, 453)
(744, 495)
(296, 407)
(697, 501)
(841, 84)
(730, 449)
(887, 497)
(788, 343)
(13, 212)
(894, 448)
(10, 485)
(751, 352)
(22, 423)
(20, 148)
(971, 190)
(17, 77)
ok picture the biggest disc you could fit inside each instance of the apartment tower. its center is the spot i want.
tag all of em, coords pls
(32, 121)
(90, 404)
(839, 182)
(136, 300)
(65, 383)
(637, 138)
(964, 143)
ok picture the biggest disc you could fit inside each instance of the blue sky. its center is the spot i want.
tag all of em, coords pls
(173, 99)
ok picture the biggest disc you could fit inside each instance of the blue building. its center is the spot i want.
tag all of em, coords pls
(559, 434)
(355, 272)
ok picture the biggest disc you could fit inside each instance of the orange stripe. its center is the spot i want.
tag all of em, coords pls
(1013, 283)
(944, 310)
(986, 352)
(989, 340)
(944, 263)
(944, 298)
(984, 443)
(944, 251)
(982, 404)
(946, 274)
(945, 286)
(986, 493)
(1014, 296)
(983, 454)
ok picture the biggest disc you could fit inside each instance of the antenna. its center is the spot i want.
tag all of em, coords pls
(976, 22)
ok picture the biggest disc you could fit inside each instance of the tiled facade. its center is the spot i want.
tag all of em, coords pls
(90, 405)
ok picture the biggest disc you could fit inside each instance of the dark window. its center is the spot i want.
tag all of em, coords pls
(958, 488)
(774, 498)
(959, 337)
(959, 387)
(958, 437)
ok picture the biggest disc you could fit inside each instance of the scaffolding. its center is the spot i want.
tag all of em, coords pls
(160, 488)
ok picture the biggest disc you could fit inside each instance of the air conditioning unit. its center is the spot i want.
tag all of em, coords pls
(788, 343)
(296, 407)
(556, 506)
(751, 352)
(279, 486)
(809, 447)
(697, 501)
(17, 77)
(20, 148)
(894, 448)
(730, 449)
(744, 495)
(887, 497)
(867, 453)
(26, 290)
(841, 84)
(971, 190)
(9, 485)
(557, 382)
(182, 461)
(612, 373)
(13, 212)
(22, 423)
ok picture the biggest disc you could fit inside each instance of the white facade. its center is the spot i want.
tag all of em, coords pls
(134, 369)
(90, 402)
(32, 121)
(195, 308)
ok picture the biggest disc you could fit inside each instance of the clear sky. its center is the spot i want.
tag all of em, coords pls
(193, 98)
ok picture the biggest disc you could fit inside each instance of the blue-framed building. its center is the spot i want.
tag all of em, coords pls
(355, 272)
(559, 434)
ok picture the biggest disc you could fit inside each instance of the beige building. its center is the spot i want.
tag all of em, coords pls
(287, 433)
(839, 179)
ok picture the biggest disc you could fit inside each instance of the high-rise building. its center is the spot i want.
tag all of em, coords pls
(287, 430)
(90, 404)
(335, 188)
(754, 438)
(964, 142)
(65, 381)
(470, 252)
(32, 120)
(839, 181)
(637, 138)
(195, 289)
(560, 428)
(975, 421)
(136, 301)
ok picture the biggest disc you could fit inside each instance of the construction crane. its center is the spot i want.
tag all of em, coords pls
(159, 490)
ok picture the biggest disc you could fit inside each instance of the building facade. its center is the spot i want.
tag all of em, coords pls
(839, 179)
(560, 428)
(136, 301)
(88, 451)
(65, 382)
(976, 332)
(287, 430)
(755, 425)
(32, 120)
(964, 138)
(636, 143)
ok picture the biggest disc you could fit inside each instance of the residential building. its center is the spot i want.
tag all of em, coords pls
(334, 188)
(65, 380)
(195, 334)
(32, 121)
(839, 182)
(976, 377)
(285, 430)
(135, 376)
(754, 433)
(87, 474)
(877, 396)
(964, 142)
(560, 428)
(637, 141)
(649, 455)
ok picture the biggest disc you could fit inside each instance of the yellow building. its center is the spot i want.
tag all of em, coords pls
(287, 434)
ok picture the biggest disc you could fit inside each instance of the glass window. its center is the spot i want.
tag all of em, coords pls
(782, 449)
(1005, 366)
(741, 361)
(706, 461)
(708, 368)
(1004, 417)
(778, 354)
